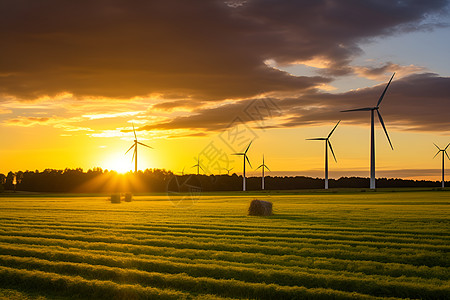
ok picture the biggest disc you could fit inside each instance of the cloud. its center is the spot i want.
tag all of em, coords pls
(379, 73)
(417, 102)
(55, 121)
(4, 111)
(112, 115)
(28, 121)
(211, 119)
(204, 50)
(171, 105)
(415, 174)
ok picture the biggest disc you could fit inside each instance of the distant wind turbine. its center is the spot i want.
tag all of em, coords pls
(135, 145)
(327, 143)
(262, 168)
(245, 158)
(443, 159)
(372, 135)
(182, 171)
(198, 166)
(228, 170)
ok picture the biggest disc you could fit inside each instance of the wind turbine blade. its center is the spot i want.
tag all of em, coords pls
(237, 153)
(134, 131)
(436, 153)
(130, 148)
(201, 168)
(385, 131)
(248, 147)
(259, 167)
(246, 157)
(144, 145)
(447, 154)
(193, 166)
(384, 92)
(332, 152)
(358, 109)
(446, 147)
(436, 146)
(316, 139)
(134, 153)
(267, 168)
(334, 129)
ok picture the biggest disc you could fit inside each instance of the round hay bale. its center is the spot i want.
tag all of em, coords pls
(115, 198)
(260, 208)
(128, 197)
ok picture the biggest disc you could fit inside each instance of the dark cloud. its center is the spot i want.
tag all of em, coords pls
(417, 102)
(211, 119)
(199, 49)
(170, 105)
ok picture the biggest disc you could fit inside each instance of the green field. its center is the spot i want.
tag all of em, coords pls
(345, 245)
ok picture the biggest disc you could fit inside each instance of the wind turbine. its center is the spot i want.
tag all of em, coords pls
(263, 166)
(228, 170)
(198, 166)
(135, 145)
(327, 143)
(245, 157)
(443, 159)
(182, 171)
(372, 134)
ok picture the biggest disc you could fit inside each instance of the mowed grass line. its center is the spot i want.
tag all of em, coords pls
(192, 266)
(218, 229)
(364, 284)
(268, 230)
(413, 256)
(96, 288)
(322, 246)
(307, 236)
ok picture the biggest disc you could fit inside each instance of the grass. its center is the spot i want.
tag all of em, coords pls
(342, 244)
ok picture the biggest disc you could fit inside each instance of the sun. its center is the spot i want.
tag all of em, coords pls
(118, 163)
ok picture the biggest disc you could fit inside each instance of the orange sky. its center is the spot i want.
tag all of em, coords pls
(206, 77)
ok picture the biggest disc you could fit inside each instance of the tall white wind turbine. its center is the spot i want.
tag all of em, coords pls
(372, 133)
(135, 145)
(327, 143)
(245, 158)
(443, 159)
(262, 168)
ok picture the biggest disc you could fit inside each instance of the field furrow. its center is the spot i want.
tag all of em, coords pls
(314, 247)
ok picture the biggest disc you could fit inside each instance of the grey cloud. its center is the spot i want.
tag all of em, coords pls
(201, 50)
(418, 102)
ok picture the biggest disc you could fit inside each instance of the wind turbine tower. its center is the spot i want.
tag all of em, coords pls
(372, 132)
(135, 145)
(443, 159)
(327, 143)
(245, 158)
(263, 166)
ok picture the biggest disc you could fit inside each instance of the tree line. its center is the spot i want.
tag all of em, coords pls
(160, 180)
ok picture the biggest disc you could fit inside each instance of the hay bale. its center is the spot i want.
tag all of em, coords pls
(115, 198)
(260, 208)
(128, 197)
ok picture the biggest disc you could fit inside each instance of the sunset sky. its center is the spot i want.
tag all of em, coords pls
(204, 77)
